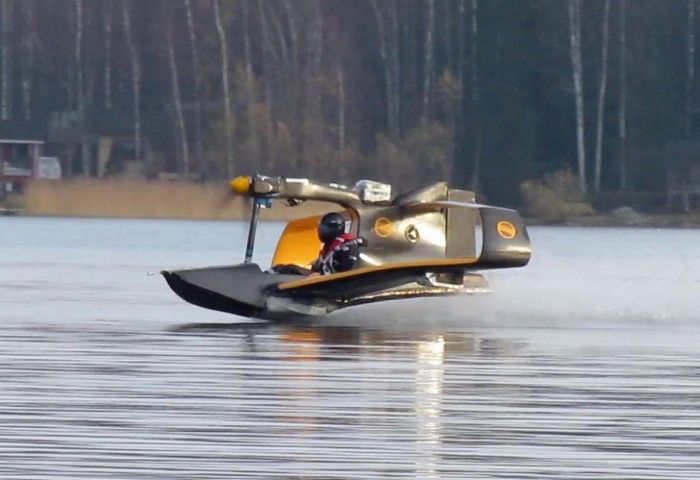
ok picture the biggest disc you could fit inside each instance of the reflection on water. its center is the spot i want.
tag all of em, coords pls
(105, 374)
(429, 376)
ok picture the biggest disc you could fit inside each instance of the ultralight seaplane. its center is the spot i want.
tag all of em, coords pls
(425, 242)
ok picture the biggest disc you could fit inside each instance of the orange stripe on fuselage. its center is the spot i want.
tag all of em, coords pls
(447, 262)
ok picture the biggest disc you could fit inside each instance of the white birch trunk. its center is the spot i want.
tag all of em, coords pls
(267, 80)
(135, 78)
(342, 163)
(461, 38)
(459, 171)
(474, 87)
(313, 116)
(247, 53)
(428, 63)
(296, 81)
(447, 33)
(317, 36)
(29, 47)
(293, 32)
(388, 70)
(341, 109)
(691, 66)
(266, 33)
(177, 101)
(266, 51)
(79, 89)
(279, 31)
(395, 66)
(250, 82)
(228, 121)
(577, 77)
(6, 60)
(622, 113)
(602, 89)
(197, 77)
(107, 65)
(79, 58)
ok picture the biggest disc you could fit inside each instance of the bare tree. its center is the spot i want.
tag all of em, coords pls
(601, 97)
(79, 88)
(342, 164)
(410, 77)
(197, 77)
(107, 59)
(312, 132)
(266, 34)
(267, 79)
(135, 78)
(461, 35)
(293, 33)
(447, 33)
(312, 115)
(428, 68)
(225, 86)
(459, 166)
(29, 45)
(622, 113)
(250, 81)
(248, 56)
(394, 47)
(389, 71)
(296, 80)
(691, 66)
(279, 31)
(6, 61)
(341, 107)
(577, 77)
(177, 101)
(316, 38)
(474, 87)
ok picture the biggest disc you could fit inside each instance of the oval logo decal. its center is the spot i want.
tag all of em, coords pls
(383, 227)
(506, 229)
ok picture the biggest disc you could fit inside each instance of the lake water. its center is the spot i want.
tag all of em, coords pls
(583, 365)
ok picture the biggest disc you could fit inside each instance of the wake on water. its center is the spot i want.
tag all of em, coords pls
(590, 280)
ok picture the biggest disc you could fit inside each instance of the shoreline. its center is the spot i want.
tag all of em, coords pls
(608, 220)
(282, 213)
(138, 199)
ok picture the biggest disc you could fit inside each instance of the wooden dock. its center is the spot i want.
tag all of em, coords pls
(10, 212)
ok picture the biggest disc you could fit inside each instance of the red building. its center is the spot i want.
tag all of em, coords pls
(19, 163)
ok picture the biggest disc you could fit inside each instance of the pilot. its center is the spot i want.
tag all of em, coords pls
(340, 251)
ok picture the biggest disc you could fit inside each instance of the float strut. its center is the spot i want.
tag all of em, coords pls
(251, 231)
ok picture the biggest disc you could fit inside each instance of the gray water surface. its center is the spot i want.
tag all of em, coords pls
(583, 365)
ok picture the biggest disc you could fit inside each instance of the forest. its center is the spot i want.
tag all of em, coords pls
(486, 93)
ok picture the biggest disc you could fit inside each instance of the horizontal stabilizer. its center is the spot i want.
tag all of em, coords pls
(505, 240)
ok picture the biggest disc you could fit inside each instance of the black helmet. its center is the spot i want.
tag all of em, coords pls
(331, 226)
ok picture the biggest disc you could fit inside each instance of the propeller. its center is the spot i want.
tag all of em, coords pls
(242, 188)
(249, 205)
(238, 191)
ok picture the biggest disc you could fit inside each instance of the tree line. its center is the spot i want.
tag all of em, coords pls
(485, 93)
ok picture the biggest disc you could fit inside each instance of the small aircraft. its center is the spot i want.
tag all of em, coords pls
(418, 244)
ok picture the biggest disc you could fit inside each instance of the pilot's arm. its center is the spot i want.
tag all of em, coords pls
(346, 257)
(342, 258)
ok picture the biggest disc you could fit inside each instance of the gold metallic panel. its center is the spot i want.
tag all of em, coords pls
(299, 244)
